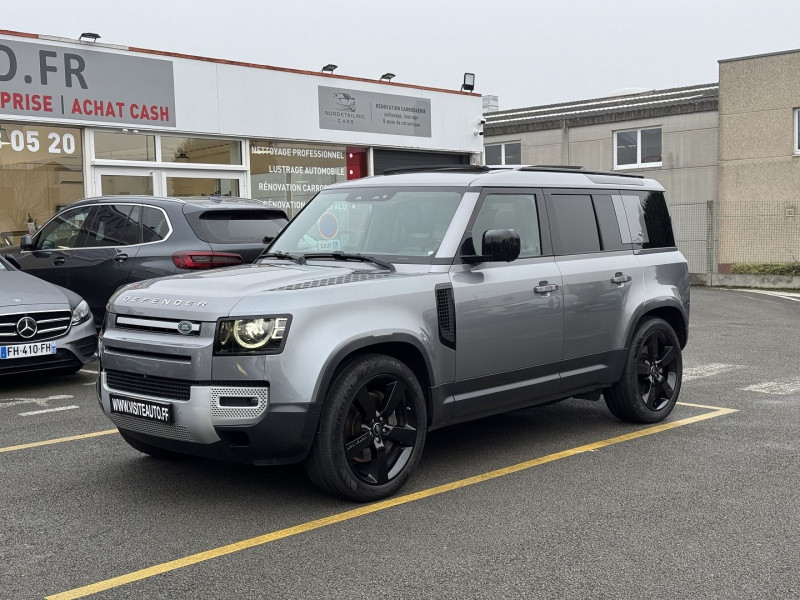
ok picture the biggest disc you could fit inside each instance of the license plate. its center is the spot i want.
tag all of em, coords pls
(27, 350)
(145, 409)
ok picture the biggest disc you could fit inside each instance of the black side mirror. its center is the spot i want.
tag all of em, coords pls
(26, 243)
(499, 245)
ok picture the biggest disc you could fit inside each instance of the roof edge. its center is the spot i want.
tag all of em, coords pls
(236, 63)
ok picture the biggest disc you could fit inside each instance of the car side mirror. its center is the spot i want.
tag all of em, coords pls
(26, 242)
(499, 245)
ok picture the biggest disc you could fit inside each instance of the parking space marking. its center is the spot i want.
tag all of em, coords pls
(708, 370)
(115, 582)
(70, 438)
(47, 410)
(785, 295)
(781, 388)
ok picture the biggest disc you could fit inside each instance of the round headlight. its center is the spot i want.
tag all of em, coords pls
(253, 333)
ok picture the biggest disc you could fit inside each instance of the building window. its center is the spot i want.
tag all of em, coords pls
(636, 148)
(503, 154)
(41, 171)
(797, 130)
(287, 175)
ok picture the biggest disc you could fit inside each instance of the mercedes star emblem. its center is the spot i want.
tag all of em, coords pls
(26, 327)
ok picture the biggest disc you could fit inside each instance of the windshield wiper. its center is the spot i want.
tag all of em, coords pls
(300, 260)
(351, 256)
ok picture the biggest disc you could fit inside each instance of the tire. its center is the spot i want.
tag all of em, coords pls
(648, 389)
(372, 430)
(145, 448)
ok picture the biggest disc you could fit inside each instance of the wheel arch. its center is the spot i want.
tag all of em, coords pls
(669, 312)
(404, 348)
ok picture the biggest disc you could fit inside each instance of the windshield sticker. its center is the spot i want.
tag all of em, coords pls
(328, 225)
(328, 246)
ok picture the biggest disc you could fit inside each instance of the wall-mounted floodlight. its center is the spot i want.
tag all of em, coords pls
(387, 76)
(92, 37)
(329, 68)
(469, 82)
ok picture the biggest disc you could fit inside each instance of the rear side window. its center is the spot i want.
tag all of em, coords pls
(648, 219)
(114, 226)
(237, 226)
(573, 224)
(155, 226)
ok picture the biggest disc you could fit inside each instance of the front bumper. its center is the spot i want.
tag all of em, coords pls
(74, 349)
(227, 421)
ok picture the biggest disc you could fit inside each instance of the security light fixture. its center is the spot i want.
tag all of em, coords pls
(92, 37)
(469, 82)
(329, 68)
(182, 157)
(387, 76)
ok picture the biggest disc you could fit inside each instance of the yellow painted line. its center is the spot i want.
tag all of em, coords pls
(71, 438)
(194, 559)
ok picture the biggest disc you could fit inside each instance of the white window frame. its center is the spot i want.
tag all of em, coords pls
(503, 150)
(639, 164)
(796, 136)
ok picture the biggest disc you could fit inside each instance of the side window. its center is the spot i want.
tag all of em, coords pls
(154, 225)
(648, 219)
(114, 226)
(509, 211)
(608, 223)
(63, 230)
(573, 224)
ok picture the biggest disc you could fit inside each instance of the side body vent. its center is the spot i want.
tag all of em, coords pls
(446, 314)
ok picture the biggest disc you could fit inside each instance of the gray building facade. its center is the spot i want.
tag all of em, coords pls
(670, 135)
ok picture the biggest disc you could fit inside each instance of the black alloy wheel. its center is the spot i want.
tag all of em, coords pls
(381, 430)
(651, 377)
(372, 430)
(657, 371)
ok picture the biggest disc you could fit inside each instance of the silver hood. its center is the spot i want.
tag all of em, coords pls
(29, 290)
(209, 295)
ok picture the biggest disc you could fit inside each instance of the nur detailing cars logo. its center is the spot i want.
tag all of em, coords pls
(63, 82)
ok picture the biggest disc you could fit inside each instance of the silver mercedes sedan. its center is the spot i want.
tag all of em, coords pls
(43, 327)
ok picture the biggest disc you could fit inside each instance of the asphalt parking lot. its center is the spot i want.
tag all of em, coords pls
(561, 501)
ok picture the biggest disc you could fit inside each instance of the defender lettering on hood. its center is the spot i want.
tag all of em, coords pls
(163, 301)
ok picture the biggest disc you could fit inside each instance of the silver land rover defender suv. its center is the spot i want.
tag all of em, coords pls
(394, 305)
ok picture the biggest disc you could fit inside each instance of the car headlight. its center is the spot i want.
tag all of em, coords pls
(81, 313)
(262, 335)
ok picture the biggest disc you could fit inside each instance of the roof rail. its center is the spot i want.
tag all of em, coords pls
(575, 169)
(440, 168)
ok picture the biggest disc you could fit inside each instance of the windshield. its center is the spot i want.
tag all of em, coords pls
(403, 224)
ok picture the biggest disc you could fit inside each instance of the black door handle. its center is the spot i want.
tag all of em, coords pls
(59, 260)
(120, 258)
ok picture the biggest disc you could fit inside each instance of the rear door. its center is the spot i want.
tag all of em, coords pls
(602, 284)
(103, 259)
(508, 315)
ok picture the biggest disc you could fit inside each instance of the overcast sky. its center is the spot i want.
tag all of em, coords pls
(526, 52)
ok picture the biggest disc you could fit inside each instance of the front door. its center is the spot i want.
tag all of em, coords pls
(509, 326)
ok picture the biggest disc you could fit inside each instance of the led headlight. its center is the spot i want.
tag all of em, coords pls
(262, 335)
(81, 313)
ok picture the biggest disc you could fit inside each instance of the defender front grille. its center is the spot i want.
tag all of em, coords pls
(49, 324)
(172, 326)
